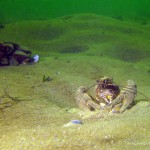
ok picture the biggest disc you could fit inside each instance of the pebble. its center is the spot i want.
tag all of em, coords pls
(73, 122)
(76, 121)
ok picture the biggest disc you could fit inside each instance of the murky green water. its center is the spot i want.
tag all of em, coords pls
(16, 10)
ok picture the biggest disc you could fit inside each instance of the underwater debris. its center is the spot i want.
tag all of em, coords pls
(47, 78)
(10, 57)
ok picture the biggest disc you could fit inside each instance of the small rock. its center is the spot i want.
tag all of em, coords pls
(72, 123)
(76, 121)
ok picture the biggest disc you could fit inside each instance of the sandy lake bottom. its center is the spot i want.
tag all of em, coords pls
(74, 50)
